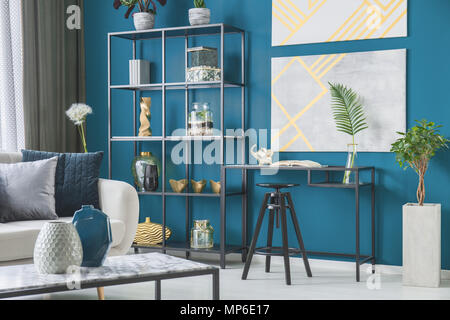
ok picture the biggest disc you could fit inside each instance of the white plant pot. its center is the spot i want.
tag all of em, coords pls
(144, 20)
(422, 245)
(199, 16)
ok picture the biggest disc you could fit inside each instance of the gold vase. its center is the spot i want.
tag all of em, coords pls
(149, 233)
(178, 186)
(145, 130)
(215, 186)
(198, 186)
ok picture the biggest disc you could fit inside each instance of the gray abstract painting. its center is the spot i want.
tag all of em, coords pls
(301, 102)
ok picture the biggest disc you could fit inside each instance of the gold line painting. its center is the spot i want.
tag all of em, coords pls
(312, 21)
(301, 111)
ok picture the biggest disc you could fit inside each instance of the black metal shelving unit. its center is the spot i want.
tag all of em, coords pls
(220, 30)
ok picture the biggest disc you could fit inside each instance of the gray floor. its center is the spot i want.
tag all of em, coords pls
(330, 281)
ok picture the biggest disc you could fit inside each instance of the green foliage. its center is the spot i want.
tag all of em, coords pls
(129, 3)
(420, 143)
(199, 3)
(348, 111)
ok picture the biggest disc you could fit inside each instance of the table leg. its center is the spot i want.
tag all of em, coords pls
(158, 290)
(357, 226)
(101, 293)
(216, 285)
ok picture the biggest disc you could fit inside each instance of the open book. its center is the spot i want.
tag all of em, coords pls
(297, 163)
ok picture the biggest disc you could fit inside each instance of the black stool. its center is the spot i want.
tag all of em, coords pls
(276, 203)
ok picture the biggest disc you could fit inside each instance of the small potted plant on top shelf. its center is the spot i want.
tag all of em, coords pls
(421, 221)
(200, 14)
(145, 18)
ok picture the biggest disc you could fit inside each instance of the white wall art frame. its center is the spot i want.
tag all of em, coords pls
(312, 21)
(302, 118)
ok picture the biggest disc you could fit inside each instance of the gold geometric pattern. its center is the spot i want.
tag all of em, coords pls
(371, 16)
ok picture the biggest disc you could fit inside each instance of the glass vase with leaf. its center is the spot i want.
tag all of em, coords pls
(348, 113)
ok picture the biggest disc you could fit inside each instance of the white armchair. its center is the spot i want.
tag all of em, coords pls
(118, 200)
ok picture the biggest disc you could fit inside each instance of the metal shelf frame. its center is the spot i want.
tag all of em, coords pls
(188, 32)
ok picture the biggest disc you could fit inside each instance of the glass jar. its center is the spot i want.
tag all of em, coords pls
(200, 122)
(202, 235)
(139, 169)
(352, 155)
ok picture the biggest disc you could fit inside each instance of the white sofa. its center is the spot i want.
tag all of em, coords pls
(118, 200)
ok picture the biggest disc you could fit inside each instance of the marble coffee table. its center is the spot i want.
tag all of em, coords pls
(23, 280)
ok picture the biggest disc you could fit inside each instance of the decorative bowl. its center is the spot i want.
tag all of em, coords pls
(178, 186)
(215, 186)
(198, 186)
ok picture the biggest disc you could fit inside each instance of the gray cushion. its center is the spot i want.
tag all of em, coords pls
(27, 191)
(77, 177)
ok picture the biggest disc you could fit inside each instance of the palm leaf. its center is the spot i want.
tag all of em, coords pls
(348, 112)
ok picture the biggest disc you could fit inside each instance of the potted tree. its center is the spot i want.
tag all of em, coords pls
(421, 221)
(145, 18)
(200, 14)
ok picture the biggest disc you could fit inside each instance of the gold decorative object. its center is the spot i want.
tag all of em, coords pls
(215, 186)
(149, 233)
(145, 130)
(178, 186)
(198, 186)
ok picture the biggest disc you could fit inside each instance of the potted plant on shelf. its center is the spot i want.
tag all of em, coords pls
(200, 14)
(421, 221)
(145, 18)
(348, 114)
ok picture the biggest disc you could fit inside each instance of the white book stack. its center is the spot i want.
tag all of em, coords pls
(139, 72)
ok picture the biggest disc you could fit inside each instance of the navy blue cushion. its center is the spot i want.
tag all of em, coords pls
(76, 181)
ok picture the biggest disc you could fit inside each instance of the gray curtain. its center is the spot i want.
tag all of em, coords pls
(54, 74)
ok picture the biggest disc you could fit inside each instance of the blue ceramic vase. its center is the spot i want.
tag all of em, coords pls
(94, 229)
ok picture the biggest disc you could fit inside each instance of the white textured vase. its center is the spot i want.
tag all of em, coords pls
(199, 16)
(144, 20)
(57, 247)
(422, 245)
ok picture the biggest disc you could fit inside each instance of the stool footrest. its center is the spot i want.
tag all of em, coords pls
(276, 251)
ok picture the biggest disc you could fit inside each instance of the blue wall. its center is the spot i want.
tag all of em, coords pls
(326, 216)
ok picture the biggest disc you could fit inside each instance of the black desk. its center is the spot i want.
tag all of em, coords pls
(327, 183)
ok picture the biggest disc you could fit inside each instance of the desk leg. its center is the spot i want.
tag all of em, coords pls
(357, 226)
(158, 290)
(373, 221)
(216, 285)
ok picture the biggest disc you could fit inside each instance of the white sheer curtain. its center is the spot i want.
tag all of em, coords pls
(12, 135)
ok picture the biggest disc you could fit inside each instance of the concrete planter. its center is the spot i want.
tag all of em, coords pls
(144, 20)
(422, 245)
(199, 16)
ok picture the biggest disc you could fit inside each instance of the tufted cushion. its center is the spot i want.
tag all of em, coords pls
(77, 183)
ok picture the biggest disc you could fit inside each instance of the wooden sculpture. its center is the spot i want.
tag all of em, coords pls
(145, 130)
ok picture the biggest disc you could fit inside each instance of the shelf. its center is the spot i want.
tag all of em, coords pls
(182, 246)
(188, 31)
(178, 86)
(338, 185)
(172, 138)
(190, 194)
(136, 139)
